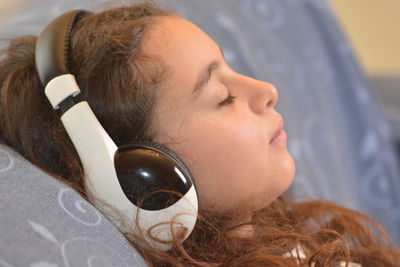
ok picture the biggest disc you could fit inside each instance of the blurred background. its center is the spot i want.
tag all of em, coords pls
(373, 29)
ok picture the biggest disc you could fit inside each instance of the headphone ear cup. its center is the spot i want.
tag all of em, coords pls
(173, 155)
(157, 182)
(151, 174)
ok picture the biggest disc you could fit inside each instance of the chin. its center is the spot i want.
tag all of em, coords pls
(288, 170)
(285, 177)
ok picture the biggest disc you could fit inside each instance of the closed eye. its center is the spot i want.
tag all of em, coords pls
(227, 101)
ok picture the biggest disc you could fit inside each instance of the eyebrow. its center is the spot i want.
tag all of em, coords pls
(205, 75)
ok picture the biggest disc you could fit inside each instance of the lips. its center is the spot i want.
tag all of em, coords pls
(277, 131)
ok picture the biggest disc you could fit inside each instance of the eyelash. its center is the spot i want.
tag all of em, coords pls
(229, 100)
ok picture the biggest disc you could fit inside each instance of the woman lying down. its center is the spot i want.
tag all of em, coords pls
(193, 160)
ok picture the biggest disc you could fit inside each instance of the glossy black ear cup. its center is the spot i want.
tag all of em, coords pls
(172, 154)
(152, 174)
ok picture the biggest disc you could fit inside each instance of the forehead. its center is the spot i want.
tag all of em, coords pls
(182, 46)
(170, 36)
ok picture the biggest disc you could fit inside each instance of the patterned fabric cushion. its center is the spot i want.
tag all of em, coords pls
(44, 223)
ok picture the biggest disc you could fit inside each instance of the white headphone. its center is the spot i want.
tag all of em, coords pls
(118, 179)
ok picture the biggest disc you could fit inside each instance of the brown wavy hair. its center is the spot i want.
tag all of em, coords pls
(120, 82)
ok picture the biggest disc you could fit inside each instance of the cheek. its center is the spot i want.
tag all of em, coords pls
(232, 163)
(233, 174)
(223, 163)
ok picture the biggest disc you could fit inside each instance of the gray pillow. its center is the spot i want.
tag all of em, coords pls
(44, 223)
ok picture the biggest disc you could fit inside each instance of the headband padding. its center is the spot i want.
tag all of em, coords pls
(52, 47)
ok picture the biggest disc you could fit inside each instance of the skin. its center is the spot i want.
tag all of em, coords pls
(226, 145)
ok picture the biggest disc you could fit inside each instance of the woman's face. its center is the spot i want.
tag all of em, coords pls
(230, 145)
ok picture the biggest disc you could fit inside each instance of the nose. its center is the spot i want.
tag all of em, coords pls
(261, 96)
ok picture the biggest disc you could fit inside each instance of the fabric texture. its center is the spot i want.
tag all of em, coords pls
(44, 223)
(341, 144)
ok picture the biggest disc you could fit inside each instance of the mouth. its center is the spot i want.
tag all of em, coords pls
(279, 134)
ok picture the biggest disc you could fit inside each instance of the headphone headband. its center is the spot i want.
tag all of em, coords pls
(116, 177)
(53, 46)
